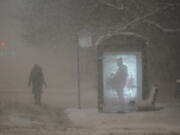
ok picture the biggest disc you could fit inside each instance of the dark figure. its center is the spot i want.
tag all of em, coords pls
(118, 81)
(177, 91)
(37, 81)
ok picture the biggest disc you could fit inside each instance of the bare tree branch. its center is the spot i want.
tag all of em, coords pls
(110, 34)
(141, 18)
(161, 27)
(135, 21)
(112, 5)
(138, 19)
(119, 28)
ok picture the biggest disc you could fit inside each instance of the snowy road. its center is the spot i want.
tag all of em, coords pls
(44, 121)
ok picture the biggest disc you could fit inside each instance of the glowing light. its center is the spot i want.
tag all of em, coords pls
(85, 39)
(3, 43)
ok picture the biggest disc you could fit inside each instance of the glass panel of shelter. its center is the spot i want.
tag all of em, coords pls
(121, 80)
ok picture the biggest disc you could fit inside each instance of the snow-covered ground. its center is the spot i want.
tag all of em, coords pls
(165, 121)
(46, 120)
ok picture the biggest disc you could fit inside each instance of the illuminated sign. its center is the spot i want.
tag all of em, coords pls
(6, 50)
(3, 43)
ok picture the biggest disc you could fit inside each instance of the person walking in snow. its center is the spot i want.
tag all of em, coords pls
(37, 81)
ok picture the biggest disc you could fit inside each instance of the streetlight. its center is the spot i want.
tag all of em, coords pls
(85, 41)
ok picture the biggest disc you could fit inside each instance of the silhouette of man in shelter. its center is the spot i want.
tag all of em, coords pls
(118, 81)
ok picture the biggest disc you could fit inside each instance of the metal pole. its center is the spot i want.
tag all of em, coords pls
(78, 77)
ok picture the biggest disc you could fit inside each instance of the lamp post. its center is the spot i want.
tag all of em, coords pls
(85, 41)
